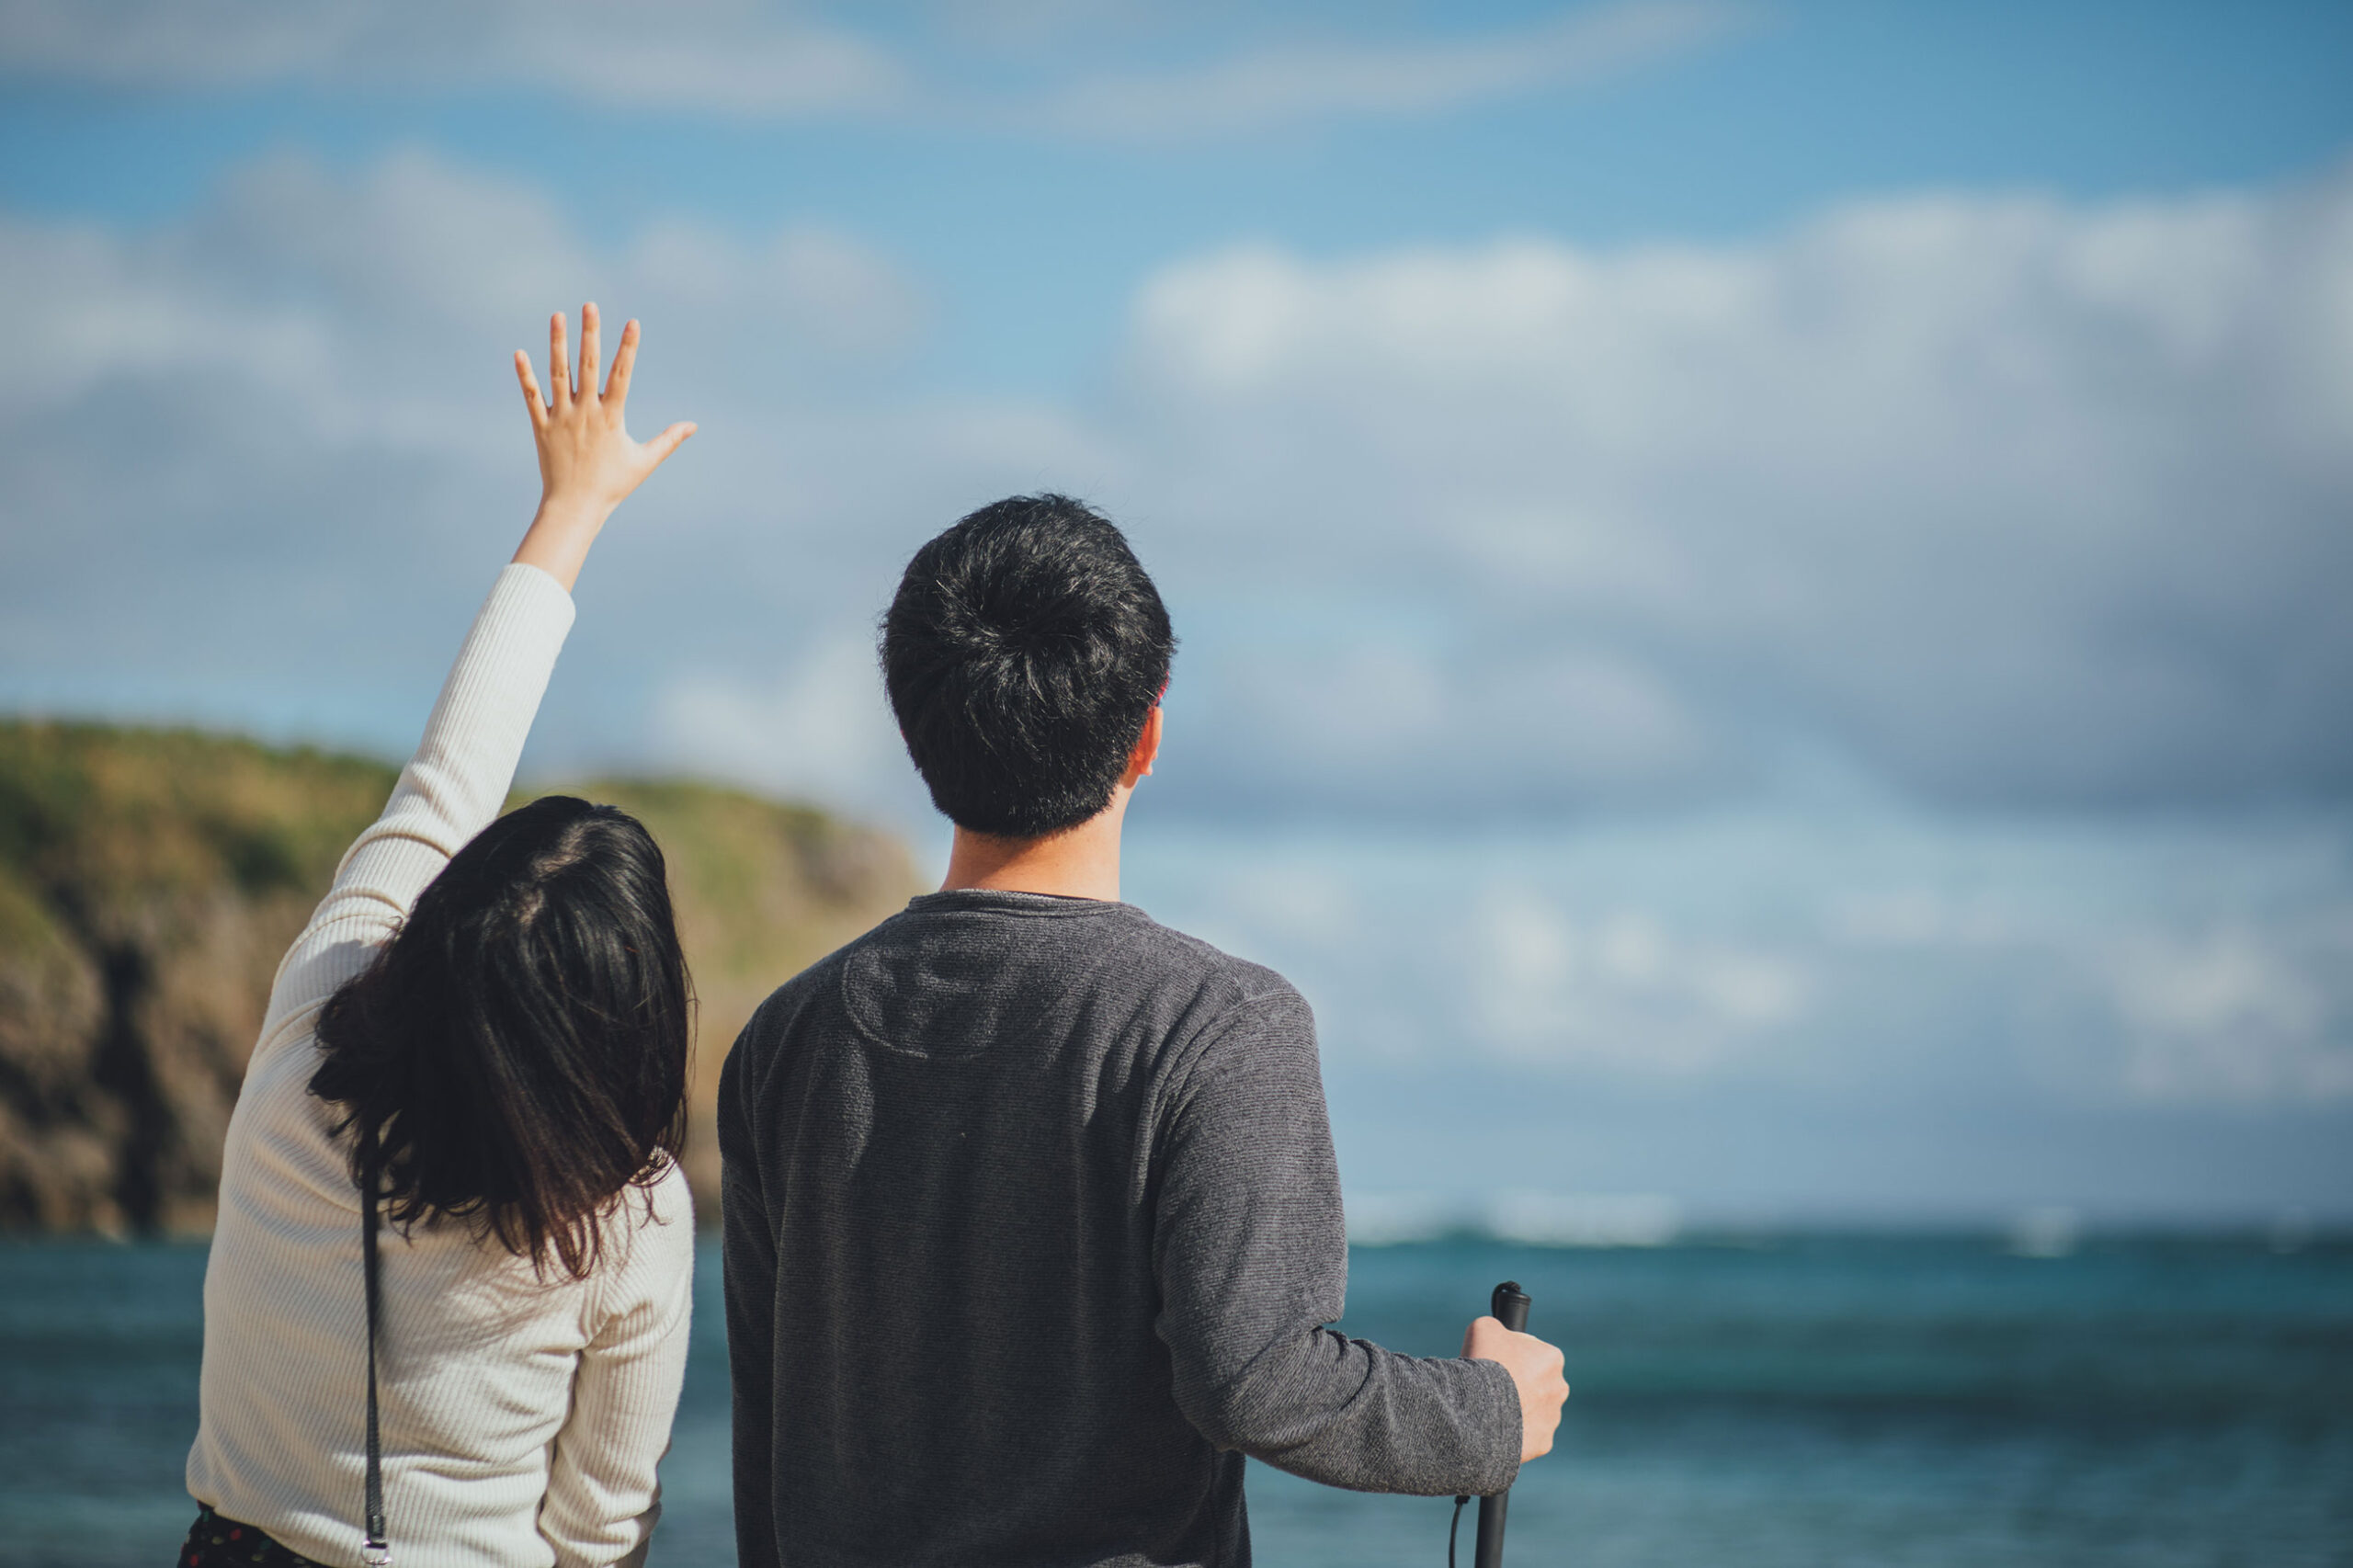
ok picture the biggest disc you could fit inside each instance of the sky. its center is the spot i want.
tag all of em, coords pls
(1760, 584)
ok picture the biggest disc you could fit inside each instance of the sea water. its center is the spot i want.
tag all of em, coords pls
(1886, 1401)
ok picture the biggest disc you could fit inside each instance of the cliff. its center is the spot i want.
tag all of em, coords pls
(151, 878)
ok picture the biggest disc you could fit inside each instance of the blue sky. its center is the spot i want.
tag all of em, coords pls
(1764, 577)
(1755, 114)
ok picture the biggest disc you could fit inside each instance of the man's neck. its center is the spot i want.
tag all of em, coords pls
(1078, 862)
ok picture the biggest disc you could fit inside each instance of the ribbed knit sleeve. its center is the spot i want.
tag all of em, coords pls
(1251, 1257)
(450, 790)
(601, 1494)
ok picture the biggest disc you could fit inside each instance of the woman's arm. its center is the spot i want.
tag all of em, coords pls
(455, 784)
(602, 1498)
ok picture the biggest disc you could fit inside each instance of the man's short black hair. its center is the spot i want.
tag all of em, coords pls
(1023, 653)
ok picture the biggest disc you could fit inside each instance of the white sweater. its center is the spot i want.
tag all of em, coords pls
(522, 1420)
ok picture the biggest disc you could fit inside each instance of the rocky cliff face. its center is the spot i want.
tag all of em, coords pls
(150, 881)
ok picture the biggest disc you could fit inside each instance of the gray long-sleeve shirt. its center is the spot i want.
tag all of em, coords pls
(1031, 1226)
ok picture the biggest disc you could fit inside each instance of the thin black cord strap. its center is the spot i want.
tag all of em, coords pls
(373, 1548)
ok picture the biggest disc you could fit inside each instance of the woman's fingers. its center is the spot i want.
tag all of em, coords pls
(589, 349)
(559, 364)
(661, 446)
(531, 399)
(585, 453)
(624, 361)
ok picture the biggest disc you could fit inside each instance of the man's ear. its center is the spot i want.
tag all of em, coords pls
(1147, 748)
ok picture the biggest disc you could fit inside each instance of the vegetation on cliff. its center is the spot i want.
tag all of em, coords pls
(151, 878)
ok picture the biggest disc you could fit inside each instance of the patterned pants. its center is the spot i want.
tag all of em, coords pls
(216, 1542)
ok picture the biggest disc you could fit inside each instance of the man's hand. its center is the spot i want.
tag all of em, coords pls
(587, 462)
(1535, 1369)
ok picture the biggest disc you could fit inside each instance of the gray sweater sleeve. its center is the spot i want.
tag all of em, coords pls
(749, 1254)
(1251, 1252)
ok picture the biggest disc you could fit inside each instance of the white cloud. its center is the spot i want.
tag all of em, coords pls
(107, 310)
(355, 296)
(1358, 725)
(732, 56)
(2239, 1014)
(1998, 499)
(2006, 499)
(1623, 993)
(1272, 86)
(752, 59)
(292, 411)
(1880, 964)
(822, 731)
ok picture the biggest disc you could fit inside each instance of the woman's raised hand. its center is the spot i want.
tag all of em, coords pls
(587, 462)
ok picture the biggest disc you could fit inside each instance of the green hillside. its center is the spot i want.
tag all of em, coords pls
(151, 878)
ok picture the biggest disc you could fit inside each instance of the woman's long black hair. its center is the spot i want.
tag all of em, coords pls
(520, 1047)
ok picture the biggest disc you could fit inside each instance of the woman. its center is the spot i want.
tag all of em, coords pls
(492, 1018)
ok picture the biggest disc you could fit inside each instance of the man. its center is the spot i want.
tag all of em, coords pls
(1031, 1214)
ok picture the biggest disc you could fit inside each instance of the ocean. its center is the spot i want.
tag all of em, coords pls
(1801, 1401)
